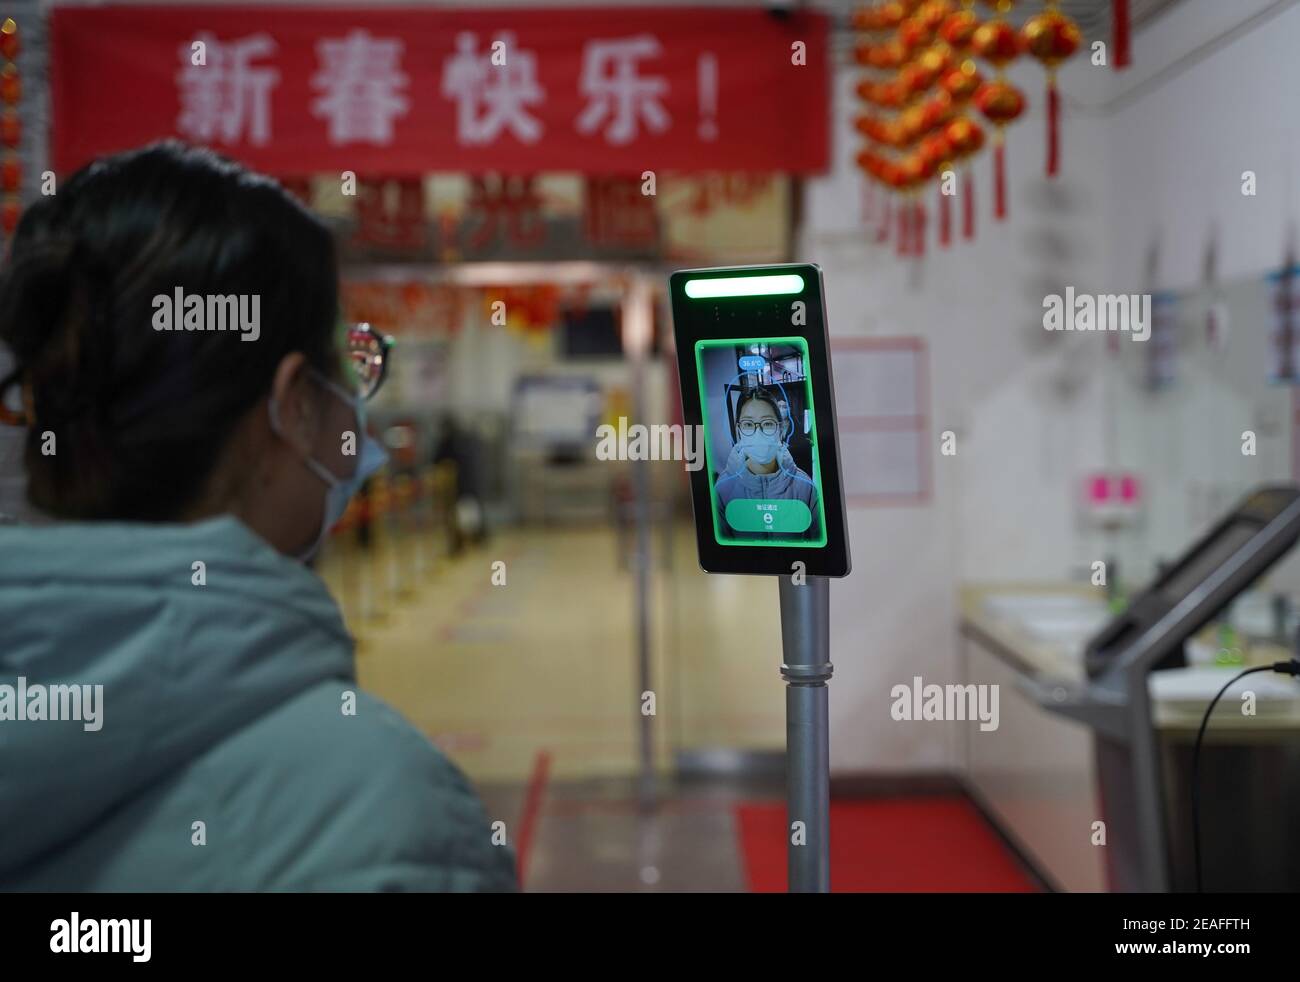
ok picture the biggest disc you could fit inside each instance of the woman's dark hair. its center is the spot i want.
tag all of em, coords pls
(140, 416)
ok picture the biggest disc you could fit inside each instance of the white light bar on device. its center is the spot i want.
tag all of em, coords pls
(744, 286)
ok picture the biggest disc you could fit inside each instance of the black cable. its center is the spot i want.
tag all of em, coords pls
(1283, 667)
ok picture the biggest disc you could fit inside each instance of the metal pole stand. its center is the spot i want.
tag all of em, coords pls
(806, 647)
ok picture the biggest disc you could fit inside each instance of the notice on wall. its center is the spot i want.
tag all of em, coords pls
(882, 402)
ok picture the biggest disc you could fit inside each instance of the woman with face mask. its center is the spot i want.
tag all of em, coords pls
(186, 461)
(760, 466)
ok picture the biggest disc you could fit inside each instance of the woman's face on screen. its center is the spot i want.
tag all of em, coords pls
(757, 418)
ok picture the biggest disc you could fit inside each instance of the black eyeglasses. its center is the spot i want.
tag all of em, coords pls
(368, 355)
(747, 427)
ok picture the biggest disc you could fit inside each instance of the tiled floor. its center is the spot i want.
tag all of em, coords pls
(532, 687)
(546, 662)
(500, 675)
(597, 836)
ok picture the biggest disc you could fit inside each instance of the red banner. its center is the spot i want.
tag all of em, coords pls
(396, 92)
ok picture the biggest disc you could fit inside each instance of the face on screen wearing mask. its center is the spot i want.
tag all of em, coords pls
(759, 435)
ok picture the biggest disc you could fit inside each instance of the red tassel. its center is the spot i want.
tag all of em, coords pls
(1053, 127)
(1122, 53)
(945, 219)
(904, 233)
(886, 219)
(1000, 178)
(968, 204)
(919, 228)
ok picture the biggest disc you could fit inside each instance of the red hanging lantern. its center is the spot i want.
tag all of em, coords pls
(933, 13)
(936, 111)
(965, 139)
(11, 129)
(1051, 37)
(1001, 103)
(935, 151)
(886, 56)
(11, 88)
(872, 20)
(936, 60)
(998, 43)
(915, 34)
(9, 39)
(958, 27)
(886, 95)
(11, 174)
(872, 127)
(887, 16)
(961, 83)
(914, 79)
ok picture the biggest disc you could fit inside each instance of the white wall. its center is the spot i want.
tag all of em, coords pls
(1161, 146)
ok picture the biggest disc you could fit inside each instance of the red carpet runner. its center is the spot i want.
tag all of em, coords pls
(893, 845)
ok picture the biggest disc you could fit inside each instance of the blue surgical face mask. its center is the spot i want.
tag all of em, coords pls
(340, 489)
(760, 448)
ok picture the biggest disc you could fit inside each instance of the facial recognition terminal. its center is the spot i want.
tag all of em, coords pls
(1149, 636)
(754, 359)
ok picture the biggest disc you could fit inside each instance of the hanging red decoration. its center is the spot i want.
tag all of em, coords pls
(1121, 39)
(915, 34)
(935, 61)
(885, 17)
(998, 43)
(903, 245)
(917, 169)
(886, 55)
(914, 79)
(11, 129)
(1001, 103)
(965, 139)
(11, 90)
(958, 27)
(961, 83)
(886, 95)
(915, 58)
(9, 44)
(882, 230)
(1051, 37)
(933, 13)
(11, 87)
(937, 149)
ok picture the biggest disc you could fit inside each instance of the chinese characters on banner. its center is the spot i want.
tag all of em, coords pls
(392, 92)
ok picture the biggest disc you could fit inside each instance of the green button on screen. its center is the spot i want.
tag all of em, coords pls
(766, 515)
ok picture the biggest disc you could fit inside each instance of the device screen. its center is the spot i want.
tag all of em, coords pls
(760, 441)
(754, 358)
